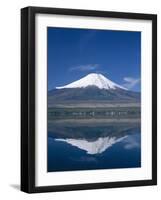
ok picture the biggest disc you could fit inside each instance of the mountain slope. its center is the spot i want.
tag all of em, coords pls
(92, 93)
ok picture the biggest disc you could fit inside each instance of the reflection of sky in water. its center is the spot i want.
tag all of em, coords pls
(115, 147)
(132, 142)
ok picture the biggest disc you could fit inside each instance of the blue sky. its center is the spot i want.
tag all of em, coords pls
(74, 53)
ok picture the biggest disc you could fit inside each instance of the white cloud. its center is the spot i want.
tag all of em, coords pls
(132, 142)
(130, 82)
(88, 67)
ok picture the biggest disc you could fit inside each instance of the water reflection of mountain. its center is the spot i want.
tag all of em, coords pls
(92, 136)
(93, 147)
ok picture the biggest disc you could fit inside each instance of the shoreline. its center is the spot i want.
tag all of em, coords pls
(93, 121)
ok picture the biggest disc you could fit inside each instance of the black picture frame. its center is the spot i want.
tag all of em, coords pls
(28, 98)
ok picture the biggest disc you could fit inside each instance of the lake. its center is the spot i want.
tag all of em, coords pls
(93, 144)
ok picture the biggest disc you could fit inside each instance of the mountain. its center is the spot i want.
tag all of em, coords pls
(93, 87)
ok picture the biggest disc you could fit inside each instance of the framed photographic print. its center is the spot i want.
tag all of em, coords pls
(88, 99)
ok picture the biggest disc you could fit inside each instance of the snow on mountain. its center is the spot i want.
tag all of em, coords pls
(93, 147)
(93, 79)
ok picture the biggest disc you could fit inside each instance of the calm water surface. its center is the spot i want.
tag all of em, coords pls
(87, 146)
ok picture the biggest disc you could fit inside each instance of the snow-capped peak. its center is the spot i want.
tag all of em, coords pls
(93, 79)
